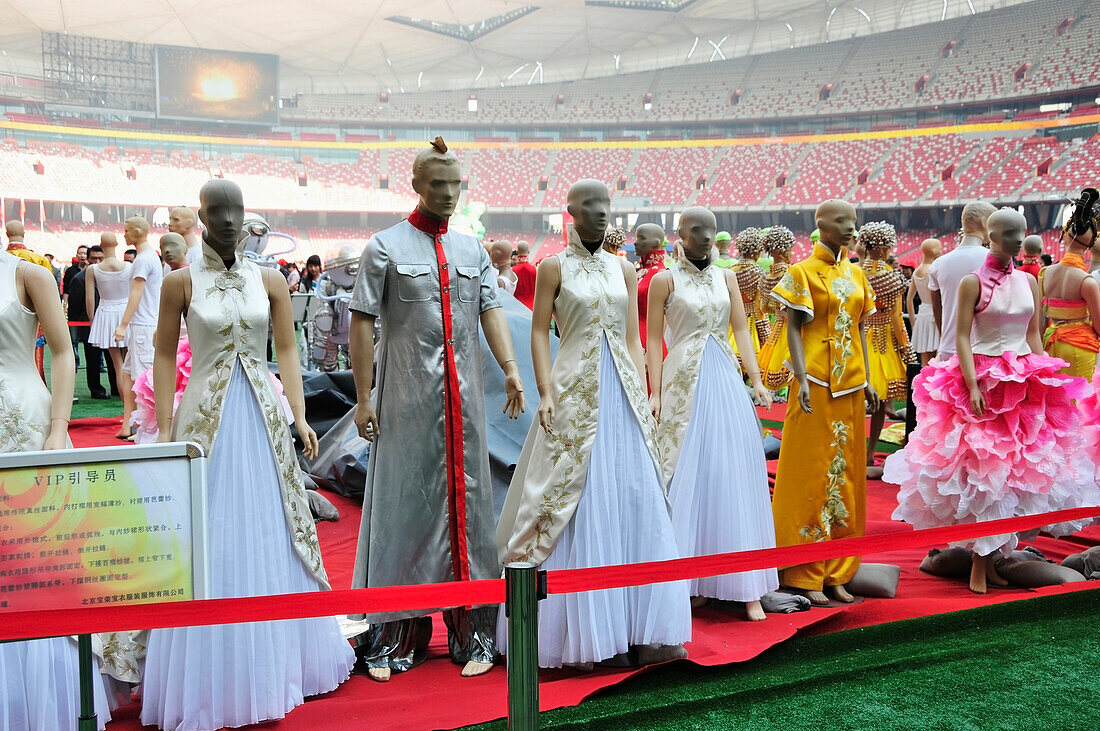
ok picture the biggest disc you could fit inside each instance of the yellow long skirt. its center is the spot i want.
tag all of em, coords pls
(821, 483)
(887, 374)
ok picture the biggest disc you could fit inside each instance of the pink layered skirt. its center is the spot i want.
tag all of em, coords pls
(1025, 455)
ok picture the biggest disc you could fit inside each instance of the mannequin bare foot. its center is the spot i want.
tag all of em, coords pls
(474, 669)
(817, 598)
(698, 601)
(841, 594)
(978, 572)
(651, 654)
(874, 472)
(755, 611)
(382, 675)
(992, 578)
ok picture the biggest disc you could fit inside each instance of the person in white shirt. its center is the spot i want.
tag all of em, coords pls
(945, 273)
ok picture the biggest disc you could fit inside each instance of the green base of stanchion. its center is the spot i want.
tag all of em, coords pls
(86, 721)
(521, 582)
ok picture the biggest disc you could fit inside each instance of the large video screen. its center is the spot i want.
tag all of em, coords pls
(195, 83)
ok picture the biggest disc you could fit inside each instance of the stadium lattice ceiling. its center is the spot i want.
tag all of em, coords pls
(363, 46)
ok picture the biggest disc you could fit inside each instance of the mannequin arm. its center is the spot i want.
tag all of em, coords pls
(795, 320)
(633, 339)
(937, 310)
(41, 291)
(547, 283)
(89, 292)
(740, 325)
(659, 291)
(361, 350)
(286, 352)
(495, 326)
(969, 289)
(871, 395)
(173, 301)
(1090, 293)
(910, 304)
(1035, 326)
(137, 288)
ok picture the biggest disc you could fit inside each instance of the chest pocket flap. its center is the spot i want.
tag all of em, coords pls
(413, 282)
(469, 283)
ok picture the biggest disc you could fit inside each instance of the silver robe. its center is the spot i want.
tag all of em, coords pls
(405, 535)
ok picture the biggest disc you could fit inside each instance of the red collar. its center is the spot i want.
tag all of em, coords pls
(430, 226)
(521, 259)
(16, 246)
(653, 259)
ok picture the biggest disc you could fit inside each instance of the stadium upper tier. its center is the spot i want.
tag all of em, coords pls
(1023, 51)
(1006, 163)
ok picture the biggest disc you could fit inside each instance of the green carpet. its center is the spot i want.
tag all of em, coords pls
(85, 406)
(1027, 664)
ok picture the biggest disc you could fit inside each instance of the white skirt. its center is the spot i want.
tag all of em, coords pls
(926, 338)
(622, 517)
(238, 674)
(719, 490)
(107, 317)
(40, 686)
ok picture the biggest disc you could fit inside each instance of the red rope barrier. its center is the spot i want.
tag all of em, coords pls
(54, 622)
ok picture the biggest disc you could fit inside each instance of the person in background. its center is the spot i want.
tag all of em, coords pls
(722, 242)
(293, 276)
(130, 255)
(313, 273)
(56, 271)
(525, 275)
(1032, 261)
(78, 312)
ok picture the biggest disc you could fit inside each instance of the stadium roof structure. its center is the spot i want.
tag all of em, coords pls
(405, 45)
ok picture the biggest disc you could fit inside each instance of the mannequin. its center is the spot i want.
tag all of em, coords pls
(1032, 262)
(826, 298)
(39, 679)
(722, 242)
(750, 243)
(500, 254)
(588, 488)
(926, 336)
(111, 278)
(711, 445)
(1071, 306)
(173, 251)
(889, 352)
(139, 320)
(649, 246)
(774, 352)
(998, 434)
(261, 535)
(946, 272)
(182, 220)
(525, 275)
(426, 420)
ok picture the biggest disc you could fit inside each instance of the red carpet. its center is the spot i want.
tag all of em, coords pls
(435, 696)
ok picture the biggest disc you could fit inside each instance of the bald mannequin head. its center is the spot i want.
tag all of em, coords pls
(173, 250)
(523, 250)
(135, 230)
(436, 178)
(836, 224)
(648, 238)
(697, 229)
(589, 203)
(1007, 227)
(182, 220)
(975, 217)
(930, 250)
(500, 254)
(221, 210)
(1033, 245)
(108, 242)
(14, 230)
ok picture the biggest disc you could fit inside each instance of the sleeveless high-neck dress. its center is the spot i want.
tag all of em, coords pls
(711, 440)
(926, 337)
(591, 493)
(114, 292)
(1023, 456)
(39, 679)
(260, 531)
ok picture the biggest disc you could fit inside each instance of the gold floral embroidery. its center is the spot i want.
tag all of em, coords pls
(833, 511)
(17, 432)
(843, 288)
(121, 654)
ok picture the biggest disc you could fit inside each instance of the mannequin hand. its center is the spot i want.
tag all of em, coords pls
(804, 396)
(763, 396)
(546, 414)
(120, 334)
(56, 440)
(977, 401)
(309, 439)
(655, 405)
(516, 403)
(366, 421)
(872, 397)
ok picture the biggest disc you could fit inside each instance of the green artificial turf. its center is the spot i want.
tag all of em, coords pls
(1027, 664)
(85, 406)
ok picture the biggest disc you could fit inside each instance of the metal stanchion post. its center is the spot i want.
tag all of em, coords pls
(87, 720)
(521, 581)
(912, 370)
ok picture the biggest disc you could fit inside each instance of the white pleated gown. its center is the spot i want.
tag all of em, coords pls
(711, 440)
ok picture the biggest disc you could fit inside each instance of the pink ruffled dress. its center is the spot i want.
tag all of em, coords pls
(1025, 455)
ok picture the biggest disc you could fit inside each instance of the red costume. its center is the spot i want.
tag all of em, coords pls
(525, 282)
(1031, 265)
(651, 264)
